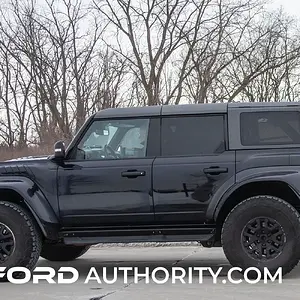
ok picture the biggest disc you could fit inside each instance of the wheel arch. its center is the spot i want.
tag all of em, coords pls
(26, 194)
(275, 188)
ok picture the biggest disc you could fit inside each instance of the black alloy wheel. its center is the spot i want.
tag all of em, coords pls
(7, 242)
(20, 239)
(263, 238)
(263, 232)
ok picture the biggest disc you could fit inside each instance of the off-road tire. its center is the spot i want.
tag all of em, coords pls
(60, 252)
(269, 207)
(27, 238)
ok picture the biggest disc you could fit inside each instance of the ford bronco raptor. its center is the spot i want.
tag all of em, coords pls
(225, 175)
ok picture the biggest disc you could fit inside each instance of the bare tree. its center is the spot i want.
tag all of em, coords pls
(269, 76)
(253, 63)
(60, 60)
(156, 31)
(221, 43)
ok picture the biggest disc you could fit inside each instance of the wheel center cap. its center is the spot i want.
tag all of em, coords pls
(263, 238)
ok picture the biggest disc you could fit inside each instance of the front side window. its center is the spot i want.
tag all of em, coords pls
(193, 135)
(115, 139)
(270, 128)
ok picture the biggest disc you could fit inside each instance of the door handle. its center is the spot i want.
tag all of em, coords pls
(72, 167)
(215, 170)
(133, 173)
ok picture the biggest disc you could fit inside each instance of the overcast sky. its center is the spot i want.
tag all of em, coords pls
(290, 6)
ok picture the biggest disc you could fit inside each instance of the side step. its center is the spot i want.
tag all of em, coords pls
(90, 237)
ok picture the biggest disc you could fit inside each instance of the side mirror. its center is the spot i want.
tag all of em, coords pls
(59, 150)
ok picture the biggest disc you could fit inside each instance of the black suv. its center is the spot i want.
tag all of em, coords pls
(222, 174)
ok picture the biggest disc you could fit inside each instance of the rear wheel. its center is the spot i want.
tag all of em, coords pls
(60, 252)
(262, 231)
(20, 238)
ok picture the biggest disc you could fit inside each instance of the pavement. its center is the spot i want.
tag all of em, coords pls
(152, 257)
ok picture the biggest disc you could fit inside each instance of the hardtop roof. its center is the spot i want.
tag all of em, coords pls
(179, 109)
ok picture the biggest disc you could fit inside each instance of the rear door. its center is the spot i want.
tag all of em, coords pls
(193, 165)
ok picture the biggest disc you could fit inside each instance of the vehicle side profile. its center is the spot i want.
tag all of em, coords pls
(222, 174)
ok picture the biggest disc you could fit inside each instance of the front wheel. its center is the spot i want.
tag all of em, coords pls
(20, 238)
(59, 252)
(262, 232)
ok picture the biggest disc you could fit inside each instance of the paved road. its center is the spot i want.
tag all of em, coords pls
(166, 257)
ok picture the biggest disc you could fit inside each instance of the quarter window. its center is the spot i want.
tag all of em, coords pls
(270, 128)
(193, 135)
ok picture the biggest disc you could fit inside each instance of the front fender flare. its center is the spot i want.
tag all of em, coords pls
(35, 201)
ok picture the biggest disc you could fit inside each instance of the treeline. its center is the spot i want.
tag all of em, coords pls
(62, 60)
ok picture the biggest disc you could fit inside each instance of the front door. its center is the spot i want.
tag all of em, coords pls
(107, 181)
(194, 164)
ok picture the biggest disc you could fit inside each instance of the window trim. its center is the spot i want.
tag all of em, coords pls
(225, 133)
(72, 150)
(271, 145)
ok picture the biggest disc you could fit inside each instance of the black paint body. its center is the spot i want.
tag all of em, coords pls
(177, 196)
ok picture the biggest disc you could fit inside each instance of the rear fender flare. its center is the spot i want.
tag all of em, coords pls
(290, 176)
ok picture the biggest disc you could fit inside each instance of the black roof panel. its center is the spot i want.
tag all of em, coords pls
(166, 110)
(156, 110)
(194, 108)
(129, 112)
(263, 104)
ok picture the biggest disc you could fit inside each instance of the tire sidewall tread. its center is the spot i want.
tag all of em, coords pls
(284, 208)
(32, 253)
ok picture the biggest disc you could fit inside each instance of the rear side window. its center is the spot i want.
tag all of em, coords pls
(193, 135)
(270, 128)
